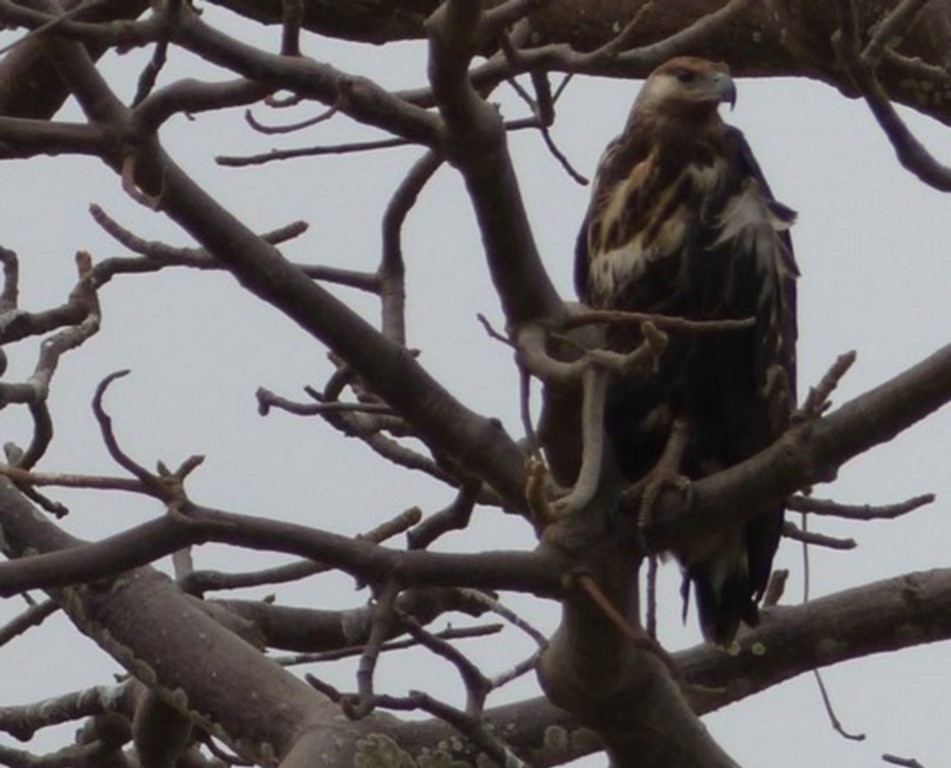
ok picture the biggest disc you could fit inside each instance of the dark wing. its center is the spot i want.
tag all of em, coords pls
(786, 270)
(750, 381)
(607, 175)
(775, 356)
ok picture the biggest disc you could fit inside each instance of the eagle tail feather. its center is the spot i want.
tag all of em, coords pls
(723, 600)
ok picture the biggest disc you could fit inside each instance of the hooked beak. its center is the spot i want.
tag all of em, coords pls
(726, 88)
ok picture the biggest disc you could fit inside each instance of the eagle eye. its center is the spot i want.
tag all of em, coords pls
(685, 75)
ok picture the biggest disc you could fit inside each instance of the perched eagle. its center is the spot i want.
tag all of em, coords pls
(682, 223)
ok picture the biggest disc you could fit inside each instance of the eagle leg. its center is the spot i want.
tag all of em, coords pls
(666, 472)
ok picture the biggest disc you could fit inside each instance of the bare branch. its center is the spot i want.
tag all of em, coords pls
(533, 572)
(468, 726)
(830, 711)
(32, 617)
(830, 508)
(292, 16)
(382, 616)
(451, 633)
(637, 636)
(476, 684)
(492, 604)
(520, 668)
(905, 762)
(454, 517)
(532, 353)
(582, 316)
(268, 400)
(11, 281)
(791, 531)
(817, 401)
(199, 582)
(594, 383)
(232, 161)
(270, 130)
(146, 478)
(24, 477)
(151, 72)
(391, 272)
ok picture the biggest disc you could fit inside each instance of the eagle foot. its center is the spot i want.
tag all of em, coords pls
(656, 484)
(666, 472)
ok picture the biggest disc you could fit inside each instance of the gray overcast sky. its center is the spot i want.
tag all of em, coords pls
(872, 247)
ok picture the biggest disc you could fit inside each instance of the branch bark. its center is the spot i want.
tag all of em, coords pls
(775, 39)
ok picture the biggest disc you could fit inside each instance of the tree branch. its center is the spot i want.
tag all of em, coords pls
(805, 455)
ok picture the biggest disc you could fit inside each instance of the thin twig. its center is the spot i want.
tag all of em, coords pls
(638, 637)
(775, 587)
(61, 480)
(325, 688)
(525, 413)
(476, 684)
(454, 517)
(585, 316)
(594, 382)
(817, 401)
(382, 619)
(291, 154)
(151, 72)
(271, 130)
(391, 273)
(806, 570)
(521, 668)
(451, 633)
(150, 483)
(506, 613)
(160, 255)
(650, 620)
(11, 281)
(268, 400)
(474, 730)
(543, 109)
(292, 12)
(32, 617)
(200, 582)
(827, 702)
(791, 531)
(905, 762)
(491, 332)
(232, 161)
(827, 507)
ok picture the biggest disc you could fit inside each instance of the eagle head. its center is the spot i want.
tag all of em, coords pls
(688, 87)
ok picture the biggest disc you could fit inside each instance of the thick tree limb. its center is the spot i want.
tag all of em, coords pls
(789, 38)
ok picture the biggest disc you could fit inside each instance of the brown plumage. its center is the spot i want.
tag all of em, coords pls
(682, 222)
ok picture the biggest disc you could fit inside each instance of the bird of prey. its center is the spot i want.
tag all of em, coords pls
(682, 223)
